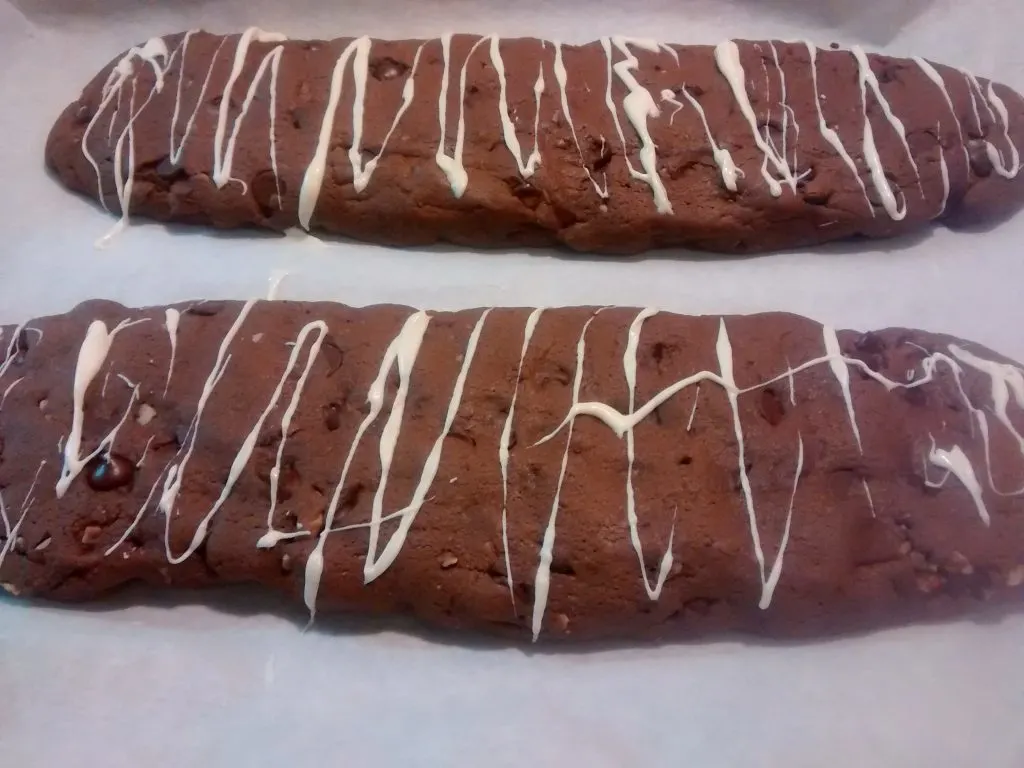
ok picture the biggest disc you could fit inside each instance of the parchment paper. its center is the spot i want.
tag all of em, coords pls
(197, 685)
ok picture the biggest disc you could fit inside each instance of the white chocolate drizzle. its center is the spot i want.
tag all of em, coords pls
(176, 151)
(779, 165)
(402, 351)
(1007, 381)
(223, 154)
(787, 111)
(933, 74)
(639, 106)
(723, 159)
(313, 180)
(727, 58)
(1007, 170)
(955, 462)
(503, 449)
(171, 319)
(91, 356)
(990, 100)
(629, 368)
(272, 536)
(361, 175)
(176, 472)
(11, 386)
(829, 134)
(508, 128)
(1006, 389)
(867, 79)
(11, 532)
(562, 78)
(153, 53)
(375, 565)
(842, 375)
(452, 165)
(542, 578)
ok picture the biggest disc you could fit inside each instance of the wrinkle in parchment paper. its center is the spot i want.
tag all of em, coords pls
(877, 22)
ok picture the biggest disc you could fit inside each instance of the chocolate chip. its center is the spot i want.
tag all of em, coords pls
(205, 308)
(771, 407)
(162, 173)
(876, 199)
(268, 191)
(700, 605)
(916, 396)
(565, 217)
(216, 101)
(332, 416)
(22, 344)
(106, 473)
(870, 342)
(774, 126)
(981, 163)
(889, 72)
(387, 68)
(181, 435)
(269, 437)
(561, 565)
(870, 349)
(83, 114)
(167, 169)
(286, 563)
(603, 153)
(807, 175)
(287, 474)
(528, 194)
(333, 355)
(818, 197)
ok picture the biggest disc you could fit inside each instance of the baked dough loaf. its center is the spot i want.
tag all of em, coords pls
(565, 473)
(618, 146)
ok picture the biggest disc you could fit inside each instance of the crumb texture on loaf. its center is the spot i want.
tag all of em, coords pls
(617, 146)
(571, 472)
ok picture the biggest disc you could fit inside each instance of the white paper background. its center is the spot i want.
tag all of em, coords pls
(198, 686)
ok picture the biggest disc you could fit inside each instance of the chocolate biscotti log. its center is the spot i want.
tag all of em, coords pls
(558, 473)
(618, 146)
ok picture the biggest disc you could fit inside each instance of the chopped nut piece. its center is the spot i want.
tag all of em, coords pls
(146, 414)
(961, 564)
(91, 534)
(1015, 577)
(448, 560)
